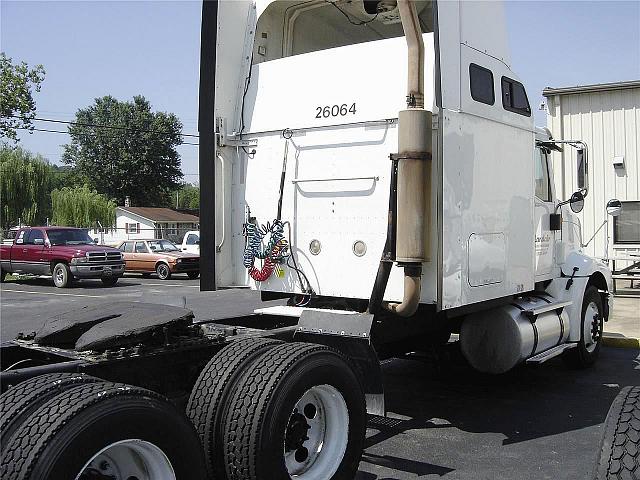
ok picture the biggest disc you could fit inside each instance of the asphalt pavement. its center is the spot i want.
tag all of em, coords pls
(445, 420)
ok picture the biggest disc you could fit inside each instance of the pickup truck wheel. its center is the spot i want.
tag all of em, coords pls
(162, 269)
(61, 275)
(104, 430)
(109, 281)
(591, 324)
(620, 445)
(20, 401)
(298, 412)
(210, 395)
(193, 275)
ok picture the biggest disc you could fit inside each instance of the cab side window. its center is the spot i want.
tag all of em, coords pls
(34, 235)
(514, 97)
(127, 247)
(543, 187)
(141, 248)
(192, 239)
(481, 84)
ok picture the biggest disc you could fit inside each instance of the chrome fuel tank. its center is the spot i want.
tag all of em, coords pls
(496, 340)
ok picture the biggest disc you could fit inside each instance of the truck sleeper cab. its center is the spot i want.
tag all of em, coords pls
(303, 143)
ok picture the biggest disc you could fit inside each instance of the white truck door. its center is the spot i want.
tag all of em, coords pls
(544, 207)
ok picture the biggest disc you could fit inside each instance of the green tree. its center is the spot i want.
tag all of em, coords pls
(17, 106)
(124, 149)
(188, 197)
(25, 186)
(65, 176)
(82, 207)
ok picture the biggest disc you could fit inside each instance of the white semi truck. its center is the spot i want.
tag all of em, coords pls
(382, 156)
(375, 163)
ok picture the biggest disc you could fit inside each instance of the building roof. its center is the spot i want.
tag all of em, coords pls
(161, 214)
(599, 87)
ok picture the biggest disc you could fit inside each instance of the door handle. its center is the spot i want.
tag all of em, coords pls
(24, 250)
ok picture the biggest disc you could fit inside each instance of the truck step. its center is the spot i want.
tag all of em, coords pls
(534, 312)
(551, 353)
(285, 311)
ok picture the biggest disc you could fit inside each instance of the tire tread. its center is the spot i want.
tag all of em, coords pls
(31, 438)
(620, 446)
(20, 400)
(249, 402)
(212, 388)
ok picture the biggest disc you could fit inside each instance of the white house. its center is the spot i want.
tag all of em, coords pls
(146, 222)
(607, 118)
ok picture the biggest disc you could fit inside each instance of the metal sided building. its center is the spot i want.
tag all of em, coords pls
(607, 118)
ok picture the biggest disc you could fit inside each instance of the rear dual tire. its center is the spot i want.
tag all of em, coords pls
(103, 428)
(297, 411)
(210, 395)
(20, 401)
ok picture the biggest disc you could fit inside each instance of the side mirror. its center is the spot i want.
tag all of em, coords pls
(38, 241)
(582, 171)
(576, 202)
(19, 241)
(95, 240)
(614, 207)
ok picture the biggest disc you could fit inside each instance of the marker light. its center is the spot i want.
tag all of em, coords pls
(315, 247)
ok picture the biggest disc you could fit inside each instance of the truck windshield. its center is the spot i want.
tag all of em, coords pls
(162, 246)
(69, 237)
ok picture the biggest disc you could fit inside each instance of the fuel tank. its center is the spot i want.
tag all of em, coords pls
(496, 340)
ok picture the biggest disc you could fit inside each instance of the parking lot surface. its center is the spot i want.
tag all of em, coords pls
(445, 420)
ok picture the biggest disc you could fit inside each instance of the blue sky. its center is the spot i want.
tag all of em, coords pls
(92, 48)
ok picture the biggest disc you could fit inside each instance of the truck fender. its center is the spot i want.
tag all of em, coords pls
(587, 266)
(571, 287)
(350, 334)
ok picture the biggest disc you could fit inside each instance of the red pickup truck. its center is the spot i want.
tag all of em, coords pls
(65, 253)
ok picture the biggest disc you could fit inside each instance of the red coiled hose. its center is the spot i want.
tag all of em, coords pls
(269, 263)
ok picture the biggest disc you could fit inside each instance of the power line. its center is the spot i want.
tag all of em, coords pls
(94, 125)
(67, 133)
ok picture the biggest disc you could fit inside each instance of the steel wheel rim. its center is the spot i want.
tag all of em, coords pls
(320, 415)
(162, 271)
(591, 327)
(126, 459)
(59, 275)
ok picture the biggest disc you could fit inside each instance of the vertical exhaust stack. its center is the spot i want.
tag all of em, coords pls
(414, 169)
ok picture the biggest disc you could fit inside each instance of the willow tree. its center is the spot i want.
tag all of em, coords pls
(25, 186)
(82, 207)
